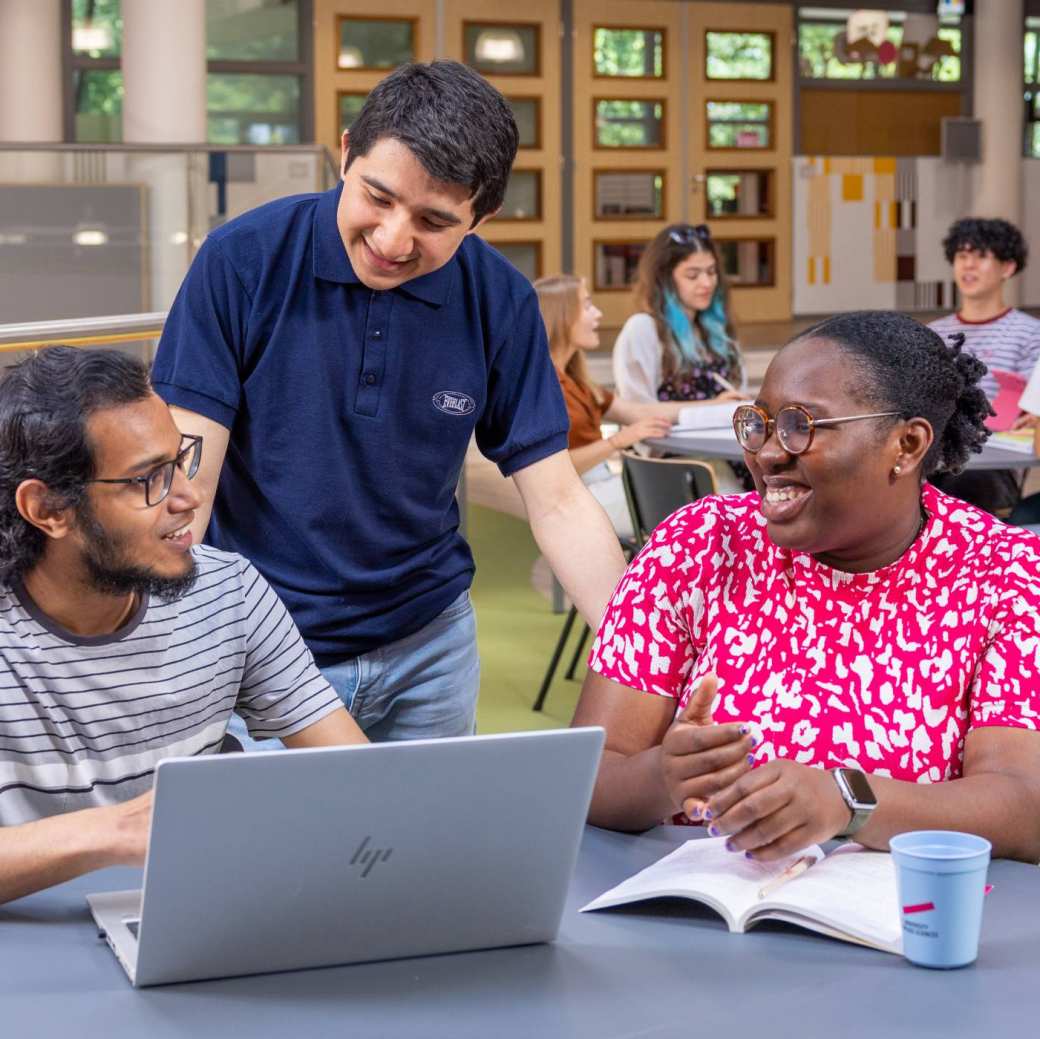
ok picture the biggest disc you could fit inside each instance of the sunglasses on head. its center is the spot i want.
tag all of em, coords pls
(685, 234)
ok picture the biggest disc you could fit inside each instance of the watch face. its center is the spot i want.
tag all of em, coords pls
(859, 787)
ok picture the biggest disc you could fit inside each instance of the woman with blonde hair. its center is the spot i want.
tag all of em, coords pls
(572, 323)
(681, 344)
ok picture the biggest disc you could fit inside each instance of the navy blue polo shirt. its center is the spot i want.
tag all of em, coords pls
(350, 412)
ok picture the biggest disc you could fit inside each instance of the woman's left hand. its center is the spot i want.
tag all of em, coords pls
(777, 809)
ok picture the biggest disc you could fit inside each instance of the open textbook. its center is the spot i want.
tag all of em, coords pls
(850, 894)
(707, 419)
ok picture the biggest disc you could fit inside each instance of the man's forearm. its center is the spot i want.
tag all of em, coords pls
(579, 542)
(40, 854)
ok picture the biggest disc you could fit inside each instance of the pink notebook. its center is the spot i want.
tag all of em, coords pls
(1009, 389)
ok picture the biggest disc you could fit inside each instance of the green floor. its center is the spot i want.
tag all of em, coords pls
(516, 629)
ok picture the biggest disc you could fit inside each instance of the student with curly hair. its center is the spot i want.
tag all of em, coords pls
(845, 615)
(985, 255)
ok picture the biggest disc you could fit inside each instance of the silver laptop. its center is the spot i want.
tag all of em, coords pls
(307, 858)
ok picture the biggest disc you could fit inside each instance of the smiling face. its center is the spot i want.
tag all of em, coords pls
(584, 332)
(695, 279)
(396, 221)
(980, 275)
(125, 544)
(839, 500)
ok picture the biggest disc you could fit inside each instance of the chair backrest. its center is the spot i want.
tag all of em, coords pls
(656, 487)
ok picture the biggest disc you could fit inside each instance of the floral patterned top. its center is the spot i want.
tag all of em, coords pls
(884, 671)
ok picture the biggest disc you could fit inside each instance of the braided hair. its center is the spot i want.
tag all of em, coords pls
(902, 365)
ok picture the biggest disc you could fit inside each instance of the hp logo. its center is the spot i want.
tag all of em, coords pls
(368, 857)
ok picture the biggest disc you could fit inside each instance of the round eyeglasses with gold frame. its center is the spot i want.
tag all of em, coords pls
(795, 426)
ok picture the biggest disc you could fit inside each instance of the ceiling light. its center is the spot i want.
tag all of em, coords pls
(90, 236)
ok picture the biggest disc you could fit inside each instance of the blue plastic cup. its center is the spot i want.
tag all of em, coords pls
(942, 884)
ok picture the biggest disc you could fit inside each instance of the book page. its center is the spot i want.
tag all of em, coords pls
(703, 871)
(708, 416)
(852, 892)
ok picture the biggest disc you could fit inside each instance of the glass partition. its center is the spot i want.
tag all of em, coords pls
(629, 123)
(502, 48)
(122, 242)
(375, 43)
(738, 55)
(629, 194)
(630, 53)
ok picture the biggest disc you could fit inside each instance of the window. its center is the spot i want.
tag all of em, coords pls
(739, 124)
(348, 107)
(738, 55)
(747, 262)
(252, 30)
(629, 123)
(887, 45)
(629, 195)
(252, 109)
(632, 53)
(738, 193)
(374, 43)
(615, 264)
(1031, 46)
(527, 111)
(98, 106)
(526, 257)
(502, 49)
(256, 78)
(523, 198)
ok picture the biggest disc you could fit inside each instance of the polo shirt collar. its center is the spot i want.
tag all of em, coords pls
(331, 262)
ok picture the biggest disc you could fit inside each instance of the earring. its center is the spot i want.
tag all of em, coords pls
(897, 469)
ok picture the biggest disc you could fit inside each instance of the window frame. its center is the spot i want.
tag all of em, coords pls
(337, 40)
(770, 240)
(770, 123)
(596, 243)
(663, 30)
(539, 194)
(625, 148)
(537, 99)
(656, 171)
(511, 23)
(302, 68)
(768, 171)
(771, 78)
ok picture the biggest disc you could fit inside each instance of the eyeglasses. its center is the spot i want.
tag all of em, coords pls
(158, 481)
(684, 234)
(794, 425)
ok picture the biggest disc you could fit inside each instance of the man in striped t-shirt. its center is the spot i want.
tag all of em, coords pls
(121, 643)
(985, 254)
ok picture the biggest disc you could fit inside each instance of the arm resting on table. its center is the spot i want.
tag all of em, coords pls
(998, 797)
(37, 855)
(573, 532)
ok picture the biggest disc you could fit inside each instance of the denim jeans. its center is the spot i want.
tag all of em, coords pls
(421, 686)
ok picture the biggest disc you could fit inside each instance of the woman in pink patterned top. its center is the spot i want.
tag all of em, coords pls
(845, 616)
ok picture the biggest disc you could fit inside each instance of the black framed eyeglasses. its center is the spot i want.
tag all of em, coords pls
(795, 426)
(158, 481)
(685, 234)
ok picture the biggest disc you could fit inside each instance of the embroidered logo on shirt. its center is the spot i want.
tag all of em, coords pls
(453, 403)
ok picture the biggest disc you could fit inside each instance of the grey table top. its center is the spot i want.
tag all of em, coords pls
(725, 446)
(655, 970)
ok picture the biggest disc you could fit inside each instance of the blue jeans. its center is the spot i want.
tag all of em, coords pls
(424, 685)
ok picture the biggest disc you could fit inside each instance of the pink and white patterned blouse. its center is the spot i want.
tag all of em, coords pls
(884, 671)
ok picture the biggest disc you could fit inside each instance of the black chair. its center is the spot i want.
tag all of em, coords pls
(654, 488)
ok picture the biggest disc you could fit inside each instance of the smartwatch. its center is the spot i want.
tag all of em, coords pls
(857, 795)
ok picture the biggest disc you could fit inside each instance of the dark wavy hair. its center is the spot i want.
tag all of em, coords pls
(45, 403)
(901, 365)
(998, 237)
(459, 127)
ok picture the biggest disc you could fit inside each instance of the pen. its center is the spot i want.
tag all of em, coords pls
(796, 869)
(724, 383)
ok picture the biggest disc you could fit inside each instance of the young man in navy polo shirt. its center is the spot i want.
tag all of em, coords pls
(337, 351)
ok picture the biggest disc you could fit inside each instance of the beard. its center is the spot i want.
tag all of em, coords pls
(109, 570)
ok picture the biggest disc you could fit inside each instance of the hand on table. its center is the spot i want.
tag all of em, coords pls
(778, 808)
(641, 429)
(698, 757)
(1026, 421)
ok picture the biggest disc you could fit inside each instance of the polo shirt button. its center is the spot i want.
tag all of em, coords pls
(377, 334)
(370, 379)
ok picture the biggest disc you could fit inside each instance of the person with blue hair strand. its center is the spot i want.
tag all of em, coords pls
(680, 345)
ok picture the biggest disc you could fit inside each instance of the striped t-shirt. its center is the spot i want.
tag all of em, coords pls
(1009, 343)
(85, 720)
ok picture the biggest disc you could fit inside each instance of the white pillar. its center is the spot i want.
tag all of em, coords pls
(998, 104)
(30, 70)
(164, 102)
(164, 71)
